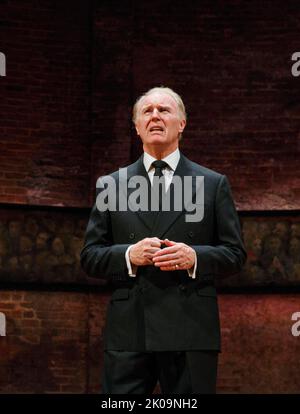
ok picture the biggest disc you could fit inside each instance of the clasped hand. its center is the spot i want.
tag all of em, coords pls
(175, 256)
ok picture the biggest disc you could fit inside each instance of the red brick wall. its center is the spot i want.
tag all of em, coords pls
(54, 343)
(112, 92)
(260, 354)
(231, 62)
(74, 70)
(45, 102)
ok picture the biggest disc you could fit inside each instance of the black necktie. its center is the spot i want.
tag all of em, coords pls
(159, 165)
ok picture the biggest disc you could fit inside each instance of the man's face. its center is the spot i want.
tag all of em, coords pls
(159, 121)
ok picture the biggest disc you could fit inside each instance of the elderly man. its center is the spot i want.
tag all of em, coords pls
(162, 321)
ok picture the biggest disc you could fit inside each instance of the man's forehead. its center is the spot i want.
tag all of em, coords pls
(158, 98)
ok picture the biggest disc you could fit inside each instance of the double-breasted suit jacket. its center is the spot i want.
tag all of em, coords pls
(165, 310)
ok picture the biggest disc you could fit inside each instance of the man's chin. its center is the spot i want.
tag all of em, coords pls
(158, 143)
(157, 136)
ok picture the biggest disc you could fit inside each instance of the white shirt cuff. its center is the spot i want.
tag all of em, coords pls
(132, 269)
(192, 271)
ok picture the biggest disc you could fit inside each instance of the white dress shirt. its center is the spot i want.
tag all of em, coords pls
(168, 172)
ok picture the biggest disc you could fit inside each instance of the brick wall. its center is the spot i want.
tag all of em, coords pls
(260, 354)
(112, 92)
(231, 62)
(74, 70)
(45, 102)
(54, 343)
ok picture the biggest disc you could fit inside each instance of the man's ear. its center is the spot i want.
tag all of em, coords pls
(137, 131)
(182, 125)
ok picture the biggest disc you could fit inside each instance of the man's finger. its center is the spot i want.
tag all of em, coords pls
(169, 242)
(155, 243)
(152, 250)
(167, 250)
(168, 268)
(165, 257)
(156, 239)
(170, 263)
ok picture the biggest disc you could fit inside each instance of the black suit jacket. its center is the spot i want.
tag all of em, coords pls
(166, 311)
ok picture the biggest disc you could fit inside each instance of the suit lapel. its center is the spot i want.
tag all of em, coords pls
(158, 222)
(165, 219)
(138, 170)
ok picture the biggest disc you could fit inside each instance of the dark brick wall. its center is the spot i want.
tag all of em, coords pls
(74, 70)
(260, 354)
(112, 92)
(45, 102)
(231, 62)
(54, 343)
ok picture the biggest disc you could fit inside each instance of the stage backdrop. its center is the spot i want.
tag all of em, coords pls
(69, 74)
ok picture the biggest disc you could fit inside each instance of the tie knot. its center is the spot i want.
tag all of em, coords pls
(159, 164)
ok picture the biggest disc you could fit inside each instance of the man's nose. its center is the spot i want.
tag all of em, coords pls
(155, 113)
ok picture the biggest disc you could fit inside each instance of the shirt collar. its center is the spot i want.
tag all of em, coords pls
(171, 159)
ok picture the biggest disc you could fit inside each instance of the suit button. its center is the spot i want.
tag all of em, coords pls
(182, 287)
(131, 236)
(191, 233)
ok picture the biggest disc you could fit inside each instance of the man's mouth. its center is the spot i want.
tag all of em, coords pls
(156, 128)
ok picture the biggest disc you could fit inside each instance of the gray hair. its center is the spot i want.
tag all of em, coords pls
(169, 91)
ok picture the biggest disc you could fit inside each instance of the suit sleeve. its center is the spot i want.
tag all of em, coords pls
(100, 257)
(227, 256)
